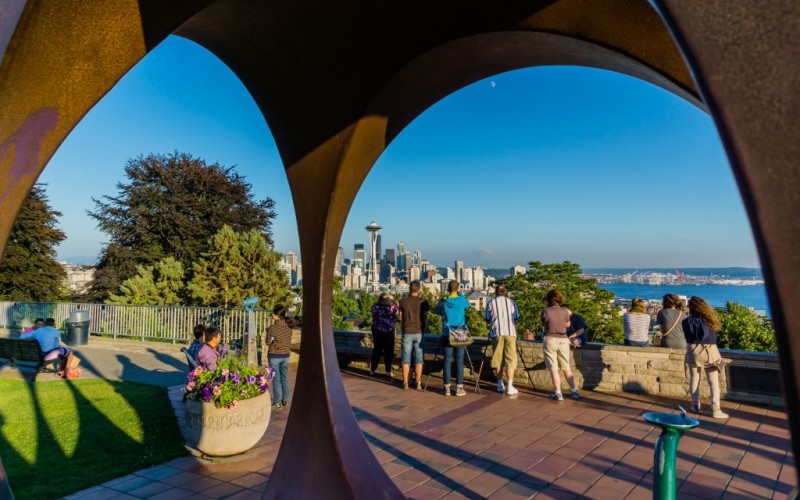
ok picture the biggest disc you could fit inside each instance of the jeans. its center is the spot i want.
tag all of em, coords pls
(412, 342)
(382, 345)
(637, 343)
(280, 384)
(448, 360)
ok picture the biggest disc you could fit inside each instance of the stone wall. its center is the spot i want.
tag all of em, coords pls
(600, 367)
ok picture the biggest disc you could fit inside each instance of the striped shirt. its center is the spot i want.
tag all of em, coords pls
(637, 326)
(283, 339)
(503, 313)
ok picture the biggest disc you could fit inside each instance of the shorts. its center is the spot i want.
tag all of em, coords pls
(412, 342)
(504, 348)
(556, 352)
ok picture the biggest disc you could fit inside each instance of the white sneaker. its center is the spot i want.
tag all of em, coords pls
(512, 391)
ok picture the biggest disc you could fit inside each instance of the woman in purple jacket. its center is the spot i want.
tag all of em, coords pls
(384, 321)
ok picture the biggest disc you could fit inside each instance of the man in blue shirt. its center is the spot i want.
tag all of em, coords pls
(49, 339)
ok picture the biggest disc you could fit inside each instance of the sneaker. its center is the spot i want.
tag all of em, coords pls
(717, 413)
(460, 391)
(557, 396)
(512, 391)
(696, 408)
(284, 403)
(501, 387)
(277, 406)
(575, 395)
(447, 390)
(405, 386)
(419, 386)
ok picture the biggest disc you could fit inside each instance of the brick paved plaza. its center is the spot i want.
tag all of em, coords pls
(493, 446)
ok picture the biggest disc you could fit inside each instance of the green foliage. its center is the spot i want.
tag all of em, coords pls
(364, 302)
(90, 431)
(171, 206)
(233, 380)
(434, 319)
(745, 330)
(583, 296)
(237, 266)
(153, 285)
(476, 323)
(343, 306)
(29, 270)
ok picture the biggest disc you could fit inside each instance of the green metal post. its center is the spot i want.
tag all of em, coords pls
(664, 481)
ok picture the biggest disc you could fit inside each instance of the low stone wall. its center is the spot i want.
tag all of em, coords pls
(748, 376)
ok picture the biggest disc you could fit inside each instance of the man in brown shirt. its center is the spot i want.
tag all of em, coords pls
(414, 319)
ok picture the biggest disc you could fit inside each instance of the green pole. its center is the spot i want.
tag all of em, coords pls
(664, 481)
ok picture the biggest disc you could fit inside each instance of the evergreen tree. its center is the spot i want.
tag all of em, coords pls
(583, 295)
(342, 307)
(29, 270)
(170, 207)
(238, 266)
(156, 285)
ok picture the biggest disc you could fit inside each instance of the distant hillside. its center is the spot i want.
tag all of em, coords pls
(731, 272)
(80, 260)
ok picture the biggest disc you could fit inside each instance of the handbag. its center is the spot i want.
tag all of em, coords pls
(658, 339)
(458, 336)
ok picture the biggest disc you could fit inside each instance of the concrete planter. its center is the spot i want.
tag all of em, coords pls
(222, 432)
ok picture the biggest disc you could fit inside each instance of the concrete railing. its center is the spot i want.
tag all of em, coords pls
(748, 376)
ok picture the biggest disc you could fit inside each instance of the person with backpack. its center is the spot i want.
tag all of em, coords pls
(453, 311)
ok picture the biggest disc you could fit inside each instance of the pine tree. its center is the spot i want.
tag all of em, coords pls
(170, 207)
(237, 266)
(29, 270)
(154, 285)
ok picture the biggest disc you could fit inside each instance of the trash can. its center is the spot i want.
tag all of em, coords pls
(78, 328)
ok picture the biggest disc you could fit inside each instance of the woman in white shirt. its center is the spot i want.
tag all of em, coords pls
(637, 324)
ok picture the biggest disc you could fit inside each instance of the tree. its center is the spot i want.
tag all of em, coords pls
(745, 330)
(342, 307)
(237, 266)
(170, 207)
(583, 295)
(29, 270)
(476, 323)
(157, 285)
(434, 319)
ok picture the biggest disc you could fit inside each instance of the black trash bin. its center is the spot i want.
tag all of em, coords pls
(78, 328)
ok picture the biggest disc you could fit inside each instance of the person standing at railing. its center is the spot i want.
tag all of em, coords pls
(384, 322)
(278, 339)
(556, 343)
(453, 310)
(700, 330)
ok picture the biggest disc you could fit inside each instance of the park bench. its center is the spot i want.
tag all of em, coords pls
(22, 350)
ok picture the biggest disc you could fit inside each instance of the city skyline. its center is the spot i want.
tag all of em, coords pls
(613, 170)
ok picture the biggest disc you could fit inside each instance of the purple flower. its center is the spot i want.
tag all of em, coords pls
(251, 379)
(235, 378)
(207, 391)
(263, 388)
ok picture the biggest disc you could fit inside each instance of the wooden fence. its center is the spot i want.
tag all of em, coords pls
(161, 323)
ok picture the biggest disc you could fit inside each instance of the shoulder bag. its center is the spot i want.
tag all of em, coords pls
(458, 336)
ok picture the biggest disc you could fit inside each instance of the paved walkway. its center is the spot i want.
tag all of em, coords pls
(493, 446)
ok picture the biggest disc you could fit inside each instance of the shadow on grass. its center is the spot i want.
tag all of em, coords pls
(82, 433)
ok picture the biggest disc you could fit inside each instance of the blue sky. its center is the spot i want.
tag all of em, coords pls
(550, 164)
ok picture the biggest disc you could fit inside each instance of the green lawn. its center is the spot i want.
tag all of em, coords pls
(80, 433)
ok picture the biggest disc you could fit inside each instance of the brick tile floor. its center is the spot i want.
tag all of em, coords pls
(490, 445)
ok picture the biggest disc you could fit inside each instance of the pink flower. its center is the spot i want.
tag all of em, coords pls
(190, 385)
(233, 404)
(225, 371)
(217, 391)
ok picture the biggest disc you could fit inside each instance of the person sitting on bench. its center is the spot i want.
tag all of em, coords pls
(49, 341)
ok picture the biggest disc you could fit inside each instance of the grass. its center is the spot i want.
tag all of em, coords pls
(62, 436)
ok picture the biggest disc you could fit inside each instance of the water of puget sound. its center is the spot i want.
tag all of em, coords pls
(717, 295)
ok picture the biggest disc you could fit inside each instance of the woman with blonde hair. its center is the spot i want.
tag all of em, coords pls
(700, 330)
(637, 324)
(669, 319)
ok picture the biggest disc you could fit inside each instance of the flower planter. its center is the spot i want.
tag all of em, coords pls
(221, 432)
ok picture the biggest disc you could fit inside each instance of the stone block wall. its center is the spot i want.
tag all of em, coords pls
(597, 367)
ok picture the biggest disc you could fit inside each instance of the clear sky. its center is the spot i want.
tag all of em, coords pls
(550, 164)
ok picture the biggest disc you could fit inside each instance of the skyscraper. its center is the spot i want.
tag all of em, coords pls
(373, 229)
(390, 259)
(337, 270)
(378, 249)
(459, 270)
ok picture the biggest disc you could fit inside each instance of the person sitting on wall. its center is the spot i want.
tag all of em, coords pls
(199, 340)
(207, 355)
(49, 339)
(37, 323)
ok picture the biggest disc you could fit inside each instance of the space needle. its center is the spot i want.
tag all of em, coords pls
(373, 229)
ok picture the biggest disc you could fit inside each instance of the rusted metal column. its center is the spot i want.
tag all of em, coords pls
(744, 57)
